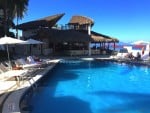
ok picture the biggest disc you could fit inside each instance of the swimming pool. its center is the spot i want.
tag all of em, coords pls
(94, 87)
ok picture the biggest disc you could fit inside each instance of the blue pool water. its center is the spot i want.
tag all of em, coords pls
(94, 87)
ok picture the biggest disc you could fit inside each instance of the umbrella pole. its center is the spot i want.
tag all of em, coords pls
(8, 58)
(30, 49)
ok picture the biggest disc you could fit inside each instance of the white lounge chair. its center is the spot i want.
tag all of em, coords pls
(121, 54)
(145, 57)
(11, 73)
(22, 63)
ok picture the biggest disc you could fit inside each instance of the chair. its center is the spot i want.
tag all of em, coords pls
(31, 60)
(145, 57)
(26, 65)
(12, 65)
(6, 73)
(121, 54)
(3, 68)
(36, 60)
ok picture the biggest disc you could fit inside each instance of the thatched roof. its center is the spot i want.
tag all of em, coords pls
(97, 37)
(49, 21)
(105, 37)
(81, 20)
(55, 35)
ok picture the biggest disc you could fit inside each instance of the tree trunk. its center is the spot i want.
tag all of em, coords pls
(5, 18)
(17, 25)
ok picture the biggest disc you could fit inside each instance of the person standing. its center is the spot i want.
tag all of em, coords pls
(142, 50)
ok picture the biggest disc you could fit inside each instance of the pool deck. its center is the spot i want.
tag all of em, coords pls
(11, 93)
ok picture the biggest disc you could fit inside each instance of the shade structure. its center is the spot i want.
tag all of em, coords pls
(32, 42)
(141, 42)
(81, 20)
(8, 41)
(49, 21)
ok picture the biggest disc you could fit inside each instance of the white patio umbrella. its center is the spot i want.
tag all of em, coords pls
(141, 42)
(9, 41)
(32, 41)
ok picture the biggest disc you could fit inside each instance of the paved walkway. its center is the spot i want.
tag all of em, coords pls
(11, 92)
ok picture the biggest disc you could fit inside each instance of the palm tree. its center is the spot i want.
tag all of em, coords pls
(3, 6)
(20, 9)
(12, 9)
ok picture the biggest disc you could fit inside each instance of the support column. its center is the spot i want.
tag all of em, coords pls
(89, 33)
(89, 49)
(114, 45)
